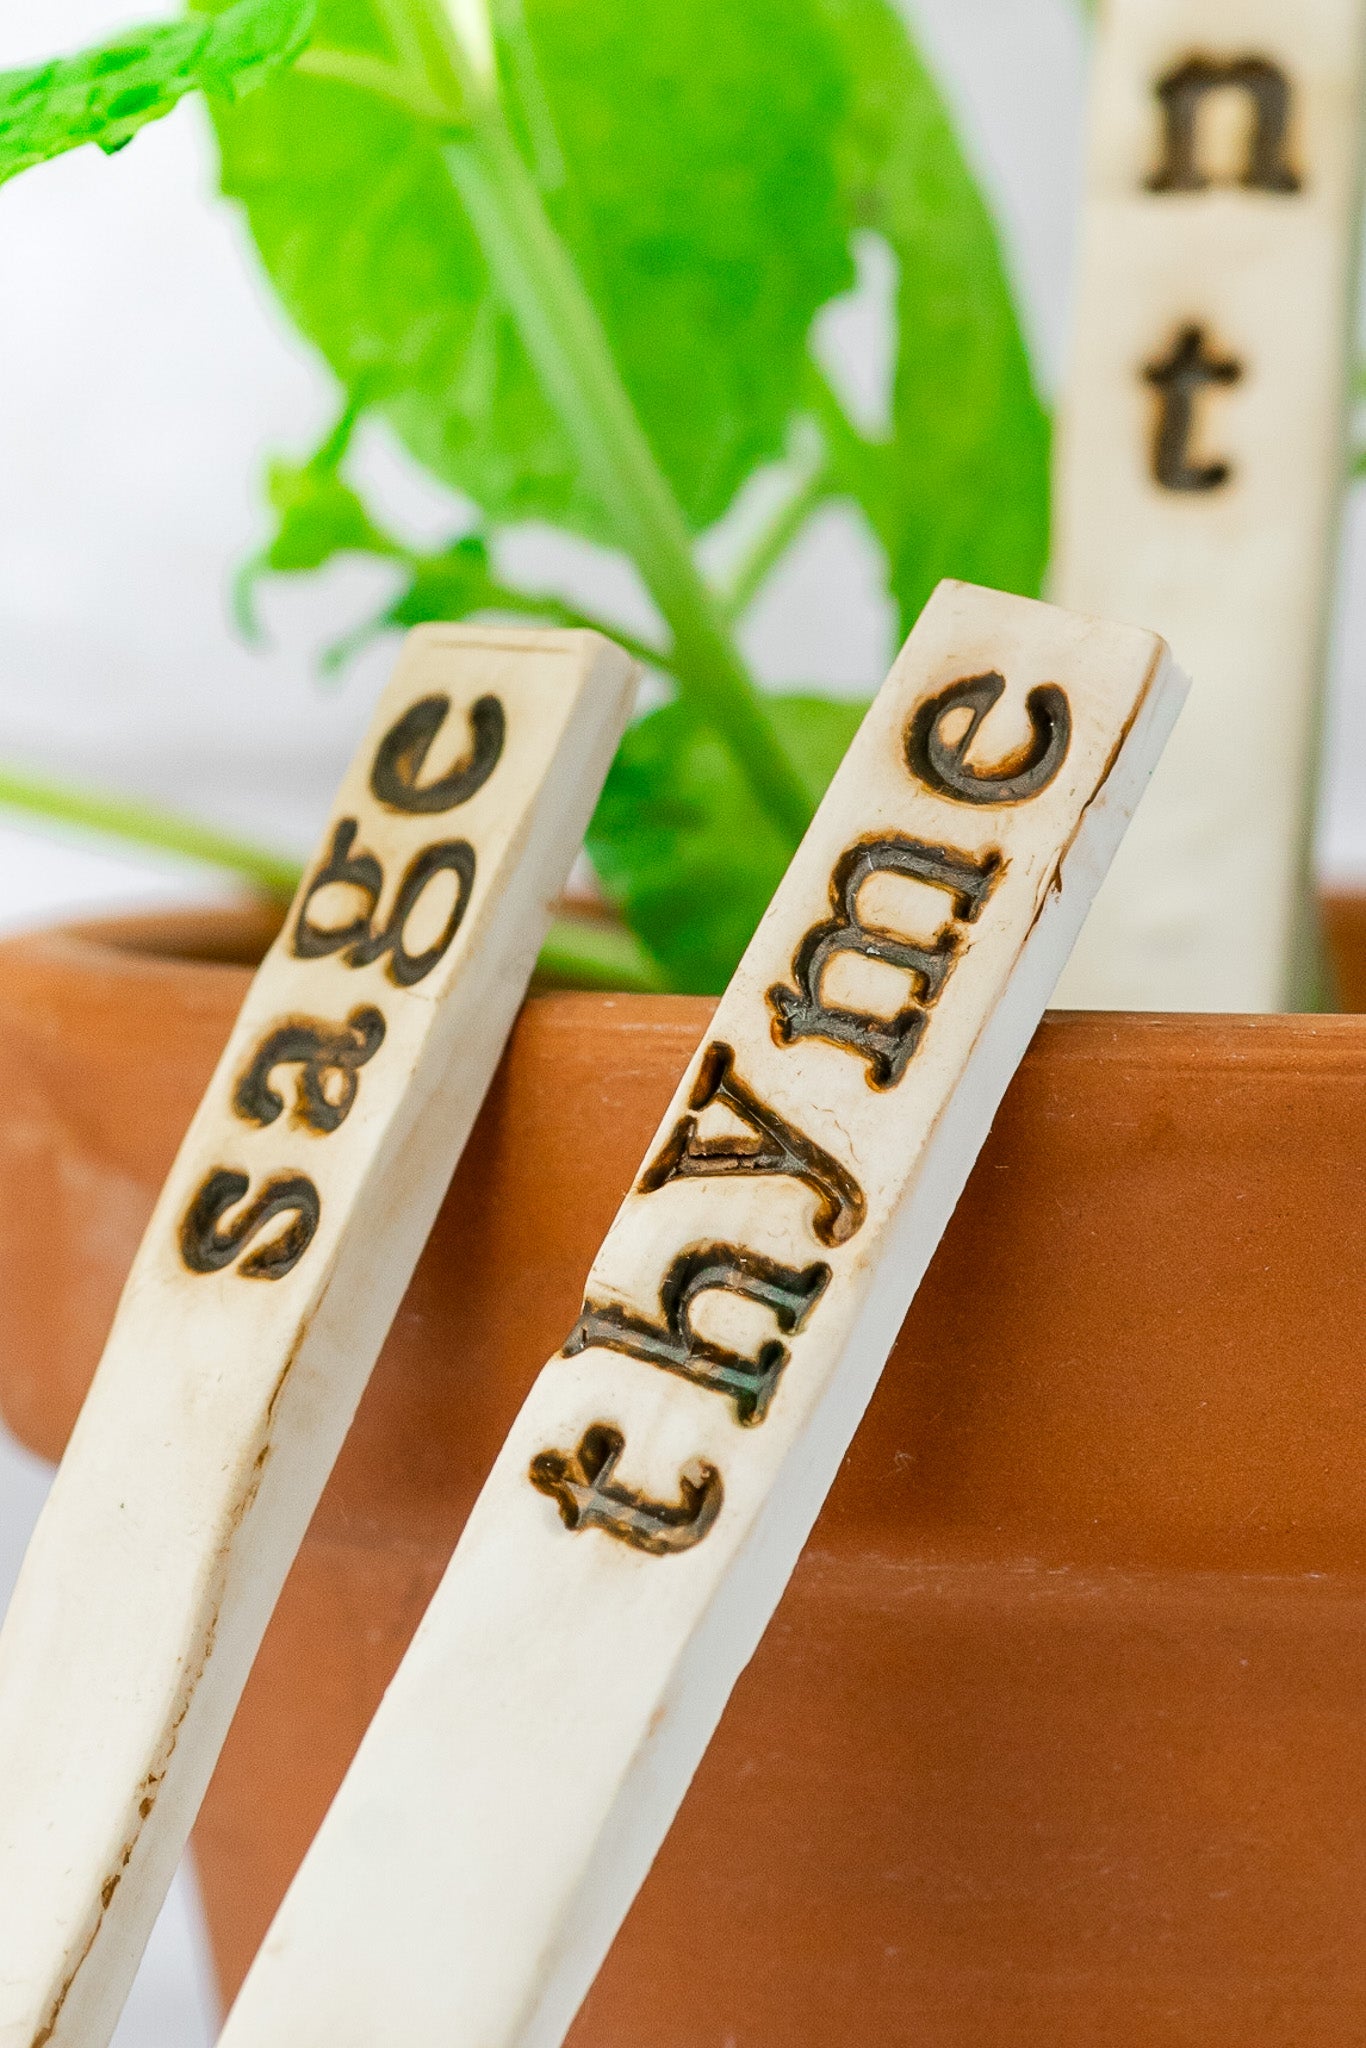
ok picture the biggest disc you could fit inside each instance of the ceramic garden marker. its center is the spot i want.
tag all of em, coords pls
(649, 1504)
(270, 1272)
(1202, 459)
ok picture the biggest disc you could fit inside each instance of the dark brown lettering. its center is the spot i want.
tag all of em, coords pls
(675, 1346)
(402, 755)
(358, 942)
(942, 764)
(323, 1053)
(208, 1248)
(582, 1486)
(887, 1044)
(772, 1146)
(1182, 94)
(1189, 368)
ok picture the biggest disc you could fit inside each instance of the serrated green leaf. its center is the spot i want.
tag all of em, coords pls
(106, 94)
(699, 201)
(961, 488)
(680, 845)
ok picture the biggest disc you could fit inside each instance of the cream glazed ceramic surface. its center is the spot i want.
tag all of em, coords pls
(651, 1499)
(1201, 464)
(268, 1277)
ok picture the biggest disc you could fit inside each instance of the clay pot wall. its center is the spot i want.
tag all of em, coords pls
(1059, 1735)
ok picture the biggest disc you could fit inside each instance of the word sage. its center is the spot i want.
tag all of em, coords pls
(269, 1275)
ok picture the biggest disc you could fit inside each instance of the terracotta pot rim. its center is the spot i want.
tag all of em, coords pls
(210, 941)
(210, 938)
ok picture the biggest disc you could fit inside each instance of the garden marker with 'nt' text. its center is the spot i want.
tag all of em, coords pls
(271, 1270)
(650, 1502)
(1201, 463)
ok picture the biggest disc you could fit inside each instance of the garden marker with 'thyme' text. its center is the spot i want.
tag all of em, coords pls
(271, 1270)
(648, 1506)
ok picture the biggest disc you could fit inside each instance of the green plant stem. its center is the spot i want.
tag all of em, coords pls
(605, 956)
(811, 488)
(411, 45)
(564, 338)
(147, 826)
(849, 459)
(372, 75)
(547, 158)
(582, 953)
(502, 601)
(565, 341)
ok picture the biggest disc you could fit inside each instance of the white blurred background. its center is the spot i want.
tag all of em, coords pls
(145, 374)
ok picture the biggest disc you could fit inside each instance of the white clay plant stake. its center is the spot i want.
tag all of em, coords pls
(1202, 458)
(269, 1275)
(642, 1518)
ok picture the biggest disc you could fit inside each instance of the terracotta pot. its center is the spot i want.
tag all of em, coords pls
(1344, 924)
(1060, 1732)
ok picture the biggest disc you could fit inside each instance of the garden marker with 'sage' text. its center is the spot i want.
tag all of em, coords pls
(271, 1270)
(1201, 464)
(650, 1502)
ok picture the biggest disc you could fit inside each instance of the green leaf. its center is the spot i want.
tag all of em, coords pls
(698, 198)
(105, 94)
(704, 208)
(448, 585)
(709, 175)
(961, 489)
(318, 516)
(707, 170)
(680, 845)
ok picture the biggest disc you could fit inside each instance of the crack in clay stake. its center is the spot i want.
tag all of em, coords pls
(1201, 464)
(651, 1500)
(270, 1273)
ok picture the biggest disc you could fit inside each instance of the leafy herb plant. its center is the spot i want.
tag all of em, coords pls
(573, 252)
